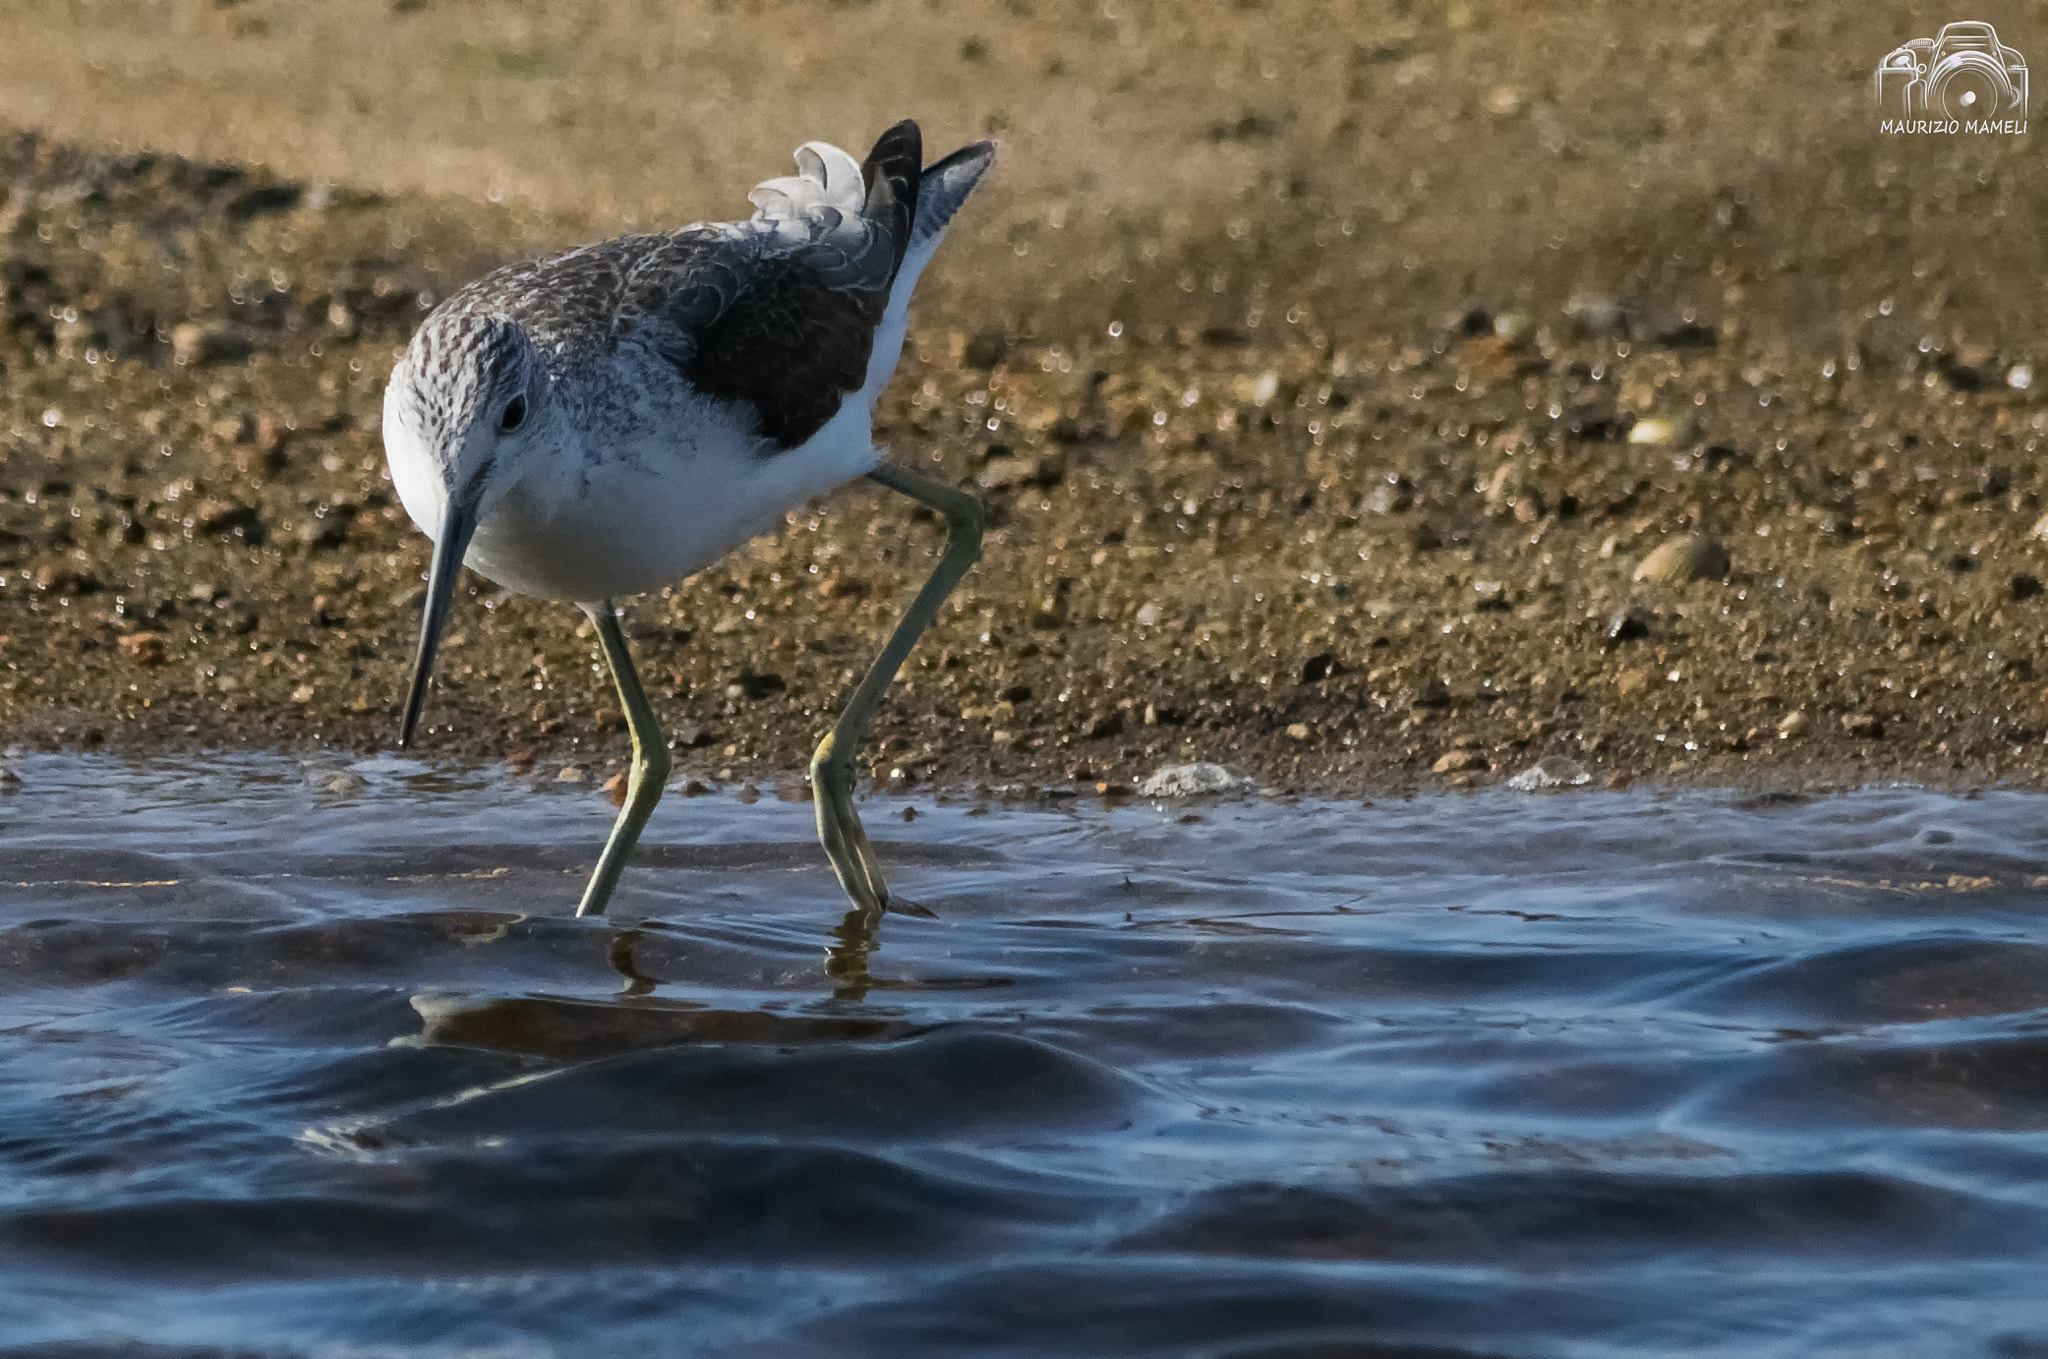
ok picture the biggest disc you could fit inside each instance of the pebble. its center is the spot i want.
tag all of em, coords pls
(67, 581)
(10, 782)
(1602, 315)
(210, 342)
(1552, 771)
(1626, 626)
(1658, 429)
(1193, 780)
(1863, 725)
(144, 648)
(1459, 762)
(1683, 559)
(1792, 724)
(336, 782)
(570, 773)
(1297, 731)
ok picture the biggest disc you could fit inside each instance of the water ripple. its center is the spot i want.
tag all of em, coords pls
(294, 1075)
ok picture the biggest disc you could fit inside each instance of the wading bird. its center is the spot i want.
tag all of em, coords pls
(605, 422)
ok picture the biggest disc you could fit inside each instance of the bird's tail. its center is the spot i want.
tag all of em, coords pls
(910, 204)
(891, 173)
(944, 186)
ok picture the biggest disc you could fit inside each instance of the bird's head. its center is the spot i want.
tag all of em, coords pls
(463, 404)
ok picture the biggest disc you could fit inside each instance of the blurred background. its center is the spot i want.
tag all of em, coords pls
(1170, 163)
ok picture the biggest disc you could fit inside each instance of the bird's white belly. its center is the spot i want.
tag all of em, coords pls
(628, 525)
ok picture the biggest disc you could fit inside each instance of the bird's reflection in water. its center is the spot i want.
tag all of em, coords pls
(846, 962)
(637, 983)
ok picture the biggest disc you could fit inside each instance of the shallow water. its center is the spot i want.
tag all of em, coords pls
(290, 1073)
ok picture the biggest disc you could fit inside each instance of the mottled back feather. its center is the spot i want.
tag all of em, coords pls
(776, 314)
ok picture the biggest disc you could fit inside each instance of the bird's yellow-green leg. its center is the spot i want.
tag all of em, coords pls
(650, 761)
(839, 830)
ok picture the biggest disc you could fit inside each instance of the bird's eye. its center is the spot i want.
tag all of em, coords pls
(514, 415)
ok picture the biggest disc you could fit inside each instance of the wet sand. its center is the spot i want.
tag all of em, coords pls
(1332, 450)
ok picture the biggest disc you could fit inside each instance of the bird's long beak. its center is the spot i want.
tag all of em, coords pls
(456, 530)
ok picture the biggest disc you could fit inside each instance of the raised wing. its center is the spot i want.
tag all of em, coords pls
(779, 313)
(776, 313)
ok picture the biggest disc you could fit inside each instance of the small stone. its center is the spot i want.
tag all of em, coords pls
(68, 581)
(754, 687)
(322, 532)
(1192, 780)
(1632, 682)
(696, 788)
(336, 782)
(1148, 616)
(1504, 101)
(1600, 315)
(1297, 731)
(229, 517)
(1659, 429)
(843, 587)
(1791, 725)
(10, 782)
(571, 773)
(1552, 771)
(615, 790)
(1864, 726)
(1002, 473)
(1626, 626)
(201, 342)
(1392, 495)
(303, 694)
(144, 648)
(1459, 762)
(1684, 559)
(2024, 586)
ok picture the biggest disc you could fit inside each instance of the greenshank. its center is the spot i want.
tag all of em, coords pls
(604, 422)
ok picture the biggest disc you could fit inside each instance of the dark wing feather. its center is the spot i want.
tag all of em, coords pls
(777, 317)
(892, 173)
(786, 325)
(788, 334)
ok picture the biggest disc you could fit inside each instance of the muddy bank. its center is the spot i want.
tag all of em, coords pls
(1341, 553)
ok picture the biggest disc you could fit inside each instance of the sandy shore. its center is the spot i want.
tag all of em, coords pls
(1340, 450)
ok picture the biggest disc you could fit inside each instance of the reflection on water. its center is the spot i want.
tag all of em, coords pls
(294, 1073)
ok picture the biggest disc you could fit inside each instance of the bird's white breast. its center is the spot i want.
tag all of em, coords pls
(659, 507)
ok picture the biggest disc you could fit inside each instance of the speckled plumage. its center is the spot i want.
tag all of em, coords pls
(606, 421)
(680, 390)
